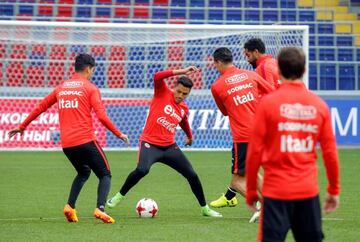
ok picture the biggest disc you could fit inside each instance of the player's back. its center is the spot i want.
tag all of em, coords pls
(238, 90)
(267, 68)
(74, 104)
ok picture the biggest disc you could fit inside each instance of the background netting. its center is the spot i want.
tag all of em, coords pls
(37, 57)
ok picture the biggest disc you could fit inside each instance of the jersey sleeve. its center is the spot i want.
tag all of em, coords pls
(218, 101)
(330, 155)
(159, 83)
(185, 126)
(47, 102)
(254, 154)
(97, 105)
(263, 86)
(269, 69)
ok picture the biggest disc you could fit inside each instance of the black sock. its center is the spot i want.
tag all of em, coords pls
(230, 193)
(103, 191)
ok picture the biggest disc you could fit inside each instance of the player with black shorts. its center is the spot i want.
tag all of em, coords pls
(76, 98)
(157, 142)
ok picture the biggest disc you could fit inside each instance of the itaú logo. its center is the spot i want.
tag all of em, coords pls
(298, 111)
(66, 104)
(236, 78)
(166, 124)
(290, 144)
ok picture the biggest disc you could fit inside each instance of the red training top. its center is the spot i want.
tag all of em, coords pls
(267, 68)
(236, 94)
(165, 114)
(288, 124)
(75, 98)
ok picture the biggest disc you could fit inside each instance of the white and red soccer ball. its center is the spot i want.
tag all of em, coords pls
(146, 208)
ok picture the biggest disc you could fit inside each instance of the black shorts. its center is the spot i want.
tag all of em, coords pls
(87, 157)
(169, 155)
(303, 217)
(238, 158)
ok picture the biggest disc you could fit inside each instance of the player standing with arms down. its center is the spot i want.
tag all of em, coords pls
(76, 98)
(289, 122)
(236, 94)
(266, 65)
(157, 142)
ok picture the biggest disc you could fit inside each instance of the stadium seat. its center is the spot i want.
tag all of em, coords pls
(233, 15)
(252, 15)
(27, 10)
(102, 12)
(135, 75)
(116, 75)
(194, 52)
(35, 74)
(177, 13)
(312, 54)
(161, 2)
(345, 54)
(15, 74)
(159, 13)
(325, 28)
(288, 3)
(327, 54)
(233, 4)
(288, 16)
(121, 12)
(197, 3)
(56, 66)
(175, 52)
(136, 53)
(313, 76)
(64, 11)
(141, 12)
(344, 40)
(358, 55)
(104, 2)
(142, 2)
(251, 4)
(269, 4)
(181, 3)
(122, 2)
(83, 12)
(346, 77)
(216, 14)
(86, 2)
(216, 3)
(6, 10)
(151, 70)
(306, 16)
(18, 51)
(311, 28)
(270, 15)
(156, 53)
(195, 14)
(98, 50)
(327, 77)
(312, 40)
(99, 75)
(44, 10)
(326, 40)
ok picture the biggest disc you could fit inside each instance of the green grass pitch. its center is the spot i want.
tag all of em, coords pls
(34, 188)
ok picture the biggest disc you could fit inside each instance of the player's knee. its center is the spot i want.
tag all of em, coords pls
(84, 176)
(192, 176)
(141, 171)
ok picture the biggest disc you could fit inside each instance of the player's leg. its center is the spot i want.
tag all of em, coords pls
(275, 220)
(83, 173)
(98, 162)
(306, 221)
(176, 159)
(148, 154)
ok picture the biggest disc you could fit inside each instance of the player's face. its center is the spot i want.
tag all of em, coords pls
(180, 93)
(251, 57)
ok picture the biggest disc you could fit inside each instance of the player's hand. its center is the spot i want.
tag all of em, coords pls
(15, 131)
(331, 203)
(190, 70)
(188, 142)
(124, 138)
(253, 207)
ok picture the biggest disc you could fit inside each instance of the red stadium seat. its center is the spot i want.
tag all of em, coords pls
(176, 52)
(98, 50)
(108, 2)
(15, 74)
(117, 53)
(18, 51)
(122, 12)
(38, 49)
(64, 11)
(141, 12)
(56, 71)
(44, 10)
(35, 76)
(161, 2)
(116, 75)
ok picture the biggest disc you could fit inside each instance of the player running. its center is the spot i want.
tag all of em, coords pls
(76, 98)
(236, 93)
(289, 122)
(157, 142)
(266, 65)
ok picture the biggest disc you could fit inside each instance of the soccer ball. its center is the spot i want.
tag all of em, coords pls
(146, 208)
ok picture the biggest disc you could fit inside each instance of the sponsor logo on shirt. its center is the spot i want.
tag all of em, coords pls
(238, 100)
(73, 84)
(166, 124)
(295, 127)
(67, 93)
(67, 104)
(298, 111)
(291, 144)
(236, 78)
(169, 110)
(239, 87)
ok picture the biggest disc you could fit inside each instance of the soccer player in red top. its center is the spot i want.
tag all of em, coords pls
(266, 65)
(288, 124)
(236, 93)
(76, 98)
(157, 142)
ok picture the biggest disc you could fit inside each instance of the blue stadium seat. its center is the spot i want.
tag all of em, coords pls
(251, 4)
(326, 54)
(125, 2)
(26, 10)
(151, 70)
(142, 2)
(288, 3)
(233, 4)
(197, 3)
(177, 13)
(270, 4)
(311, 28)
(83, 12)
(136, 53)
(216, 14)
(270, 15)
(358, 55)
(216, 3)
(306, 16)
(345, 54)
(37, 59)
(327, 77)
(325, 28)
(77, 49)
(87, 2)
(312, 40)
(233, 15)
(160, 13)
(99, 76)
(178, 3)
(252, 15)
(288, 16)
(313, 76)
(193, 50)
(312, 54)
(326, 40)
(197, 14)
(7, 10)
(344, 40)
(156, 53)
(103, 12)
(346, 77)
(135, 75)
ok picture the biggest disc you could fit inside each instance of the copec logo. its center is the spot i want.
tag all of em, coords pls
(298, 111)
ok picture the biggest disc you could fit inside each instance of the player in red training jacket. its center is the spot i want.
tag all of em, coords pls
(157, 142)
(76, 98)
(236, 93)
(266, 65)
(288, 124)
